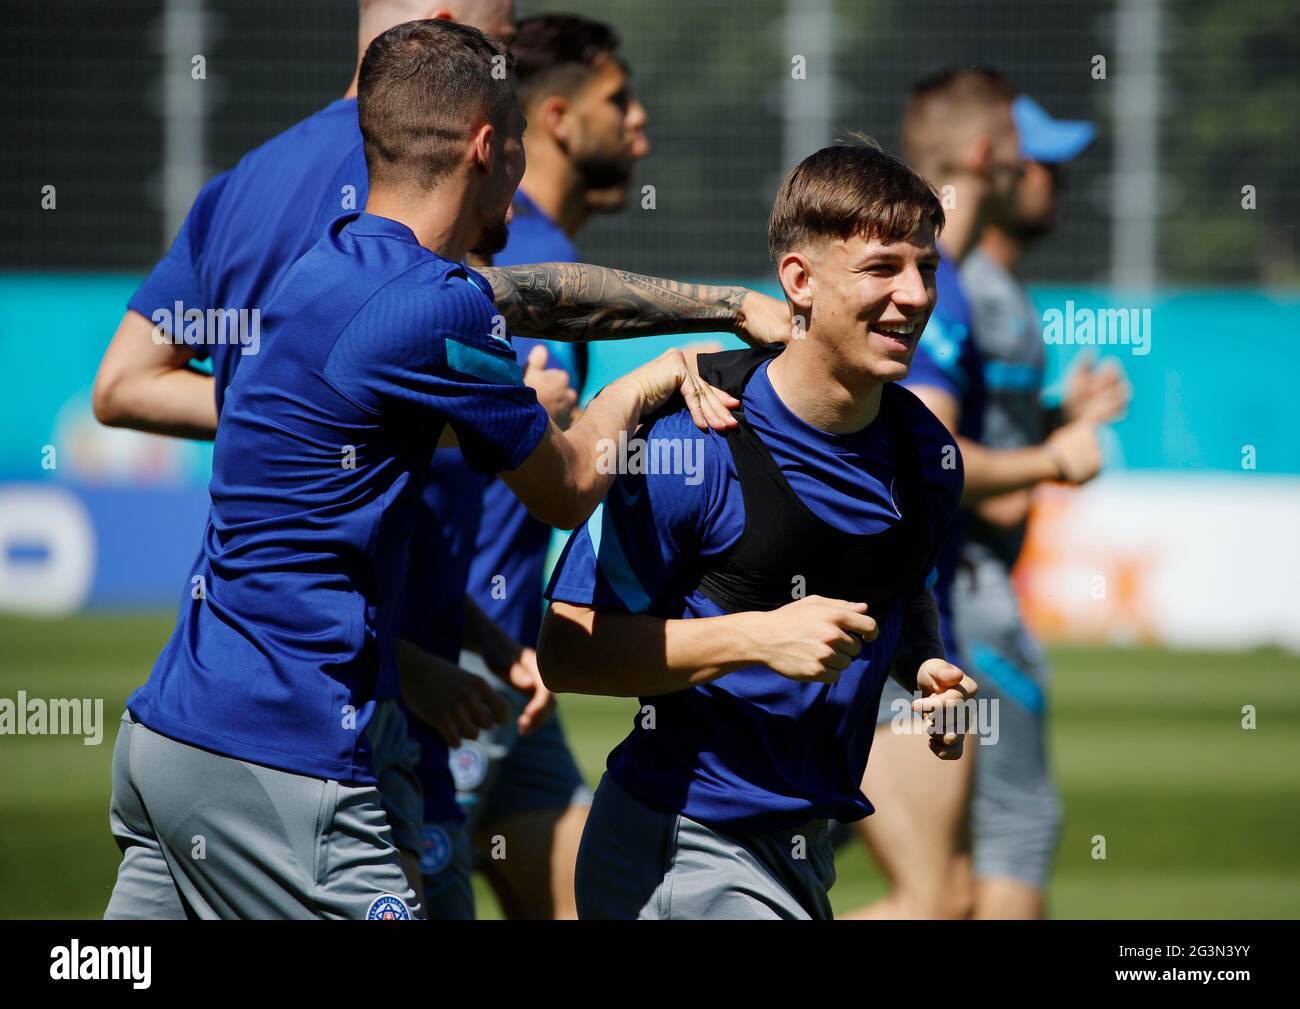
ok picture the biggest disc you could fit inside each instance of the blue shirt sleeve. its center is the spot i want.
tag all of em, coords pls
(175, 277)
(424, 344)
(650, 525)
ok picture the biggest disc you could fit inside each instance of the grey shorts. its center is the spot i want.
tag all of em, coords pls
(394, 756)
(501, 773)
(1016, 811)
(208, 836)
(638, 862)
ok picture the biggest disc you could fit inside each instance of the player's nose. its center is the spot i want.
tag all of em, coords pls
(911, 291)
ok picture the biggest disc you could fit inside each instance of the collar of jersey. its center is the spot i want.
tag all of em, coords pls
(850, 443)
(374, 226)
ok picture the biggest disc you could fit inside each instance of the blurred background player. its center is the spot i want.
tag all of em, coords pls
(1015, 811)
(958, 132)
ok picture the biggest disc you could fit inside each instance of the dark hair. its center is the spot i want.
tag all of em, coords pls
(555, 53)
(943, 108)
(423, 86)
(850, 189)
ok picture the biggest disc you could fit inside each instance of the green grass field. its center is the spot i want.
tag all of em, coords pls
(1201, 817)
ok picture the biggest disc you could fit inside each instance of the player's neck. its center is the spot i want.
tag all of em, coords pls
(555, 187)
(1002, 247)
(819, 392)
(434, 217)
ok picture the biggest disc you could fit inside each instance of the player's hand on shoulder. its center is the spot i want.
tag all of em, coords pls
(692, 352)
(669, 373)
(944, 688)
(812, 639)
(554, 390)
(764, 320)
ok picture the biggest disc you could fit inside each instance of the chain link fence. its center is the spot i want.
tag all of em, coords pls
(106, 108)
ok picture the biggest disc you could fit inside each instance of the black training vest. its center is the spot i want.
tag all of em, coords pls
(784, 541)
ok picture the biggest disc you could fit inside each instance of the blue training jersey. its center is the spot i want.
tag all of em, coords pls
(373, 344)
(948, 359)
(250, 224)
(752, 750)
(247, 227)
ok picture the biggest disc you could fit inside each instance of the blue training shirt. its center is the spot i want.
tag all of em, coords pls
(752, 750)
(250, 224)
(374, 344)
(948, 359)
(247, 227)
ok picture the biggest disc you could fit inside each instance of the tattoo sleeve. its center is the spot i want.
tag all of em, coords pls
(920, 638)
(574, 302)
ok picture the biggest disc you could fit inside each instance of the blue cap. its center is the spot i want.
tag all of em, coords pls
(1049, 140)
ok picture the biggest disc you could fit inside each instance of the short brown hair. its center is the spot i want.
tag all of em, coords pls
(556, 54)
(423, 86)
(945, 109)
(850, 189)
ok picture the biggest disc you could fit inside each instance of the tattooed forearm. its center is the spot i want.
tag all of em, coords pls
(574, 302)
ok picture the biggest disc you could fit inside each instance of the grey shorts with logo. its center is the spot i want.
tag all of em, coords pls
(208, 836)
(640, 863)
(501, 773)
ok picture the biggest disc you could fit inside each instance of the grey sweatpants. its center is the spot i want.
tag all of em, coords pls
(208, 836)
(638, 862)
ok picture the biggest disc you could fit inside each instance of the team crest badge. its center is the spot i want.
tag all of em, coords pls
(388, 907)
(435, 850)
(469, 766)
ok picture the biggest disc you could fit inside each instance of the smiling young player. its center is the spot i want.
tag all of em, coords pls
(757, 606)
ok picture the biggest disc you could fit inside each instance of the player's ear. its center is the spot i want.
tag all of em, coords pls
(553, 115)
(795, 273)
(480, 147)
